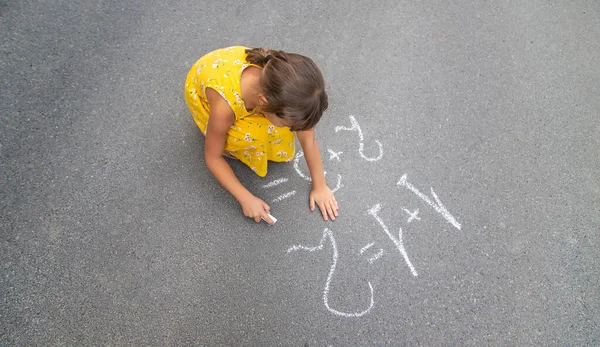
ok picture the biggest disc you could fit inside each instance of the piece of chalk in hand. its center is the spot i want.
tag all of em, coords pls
(272, 218)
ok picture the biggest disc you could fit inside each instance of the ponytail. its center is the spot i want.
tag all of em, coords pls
(260, 56)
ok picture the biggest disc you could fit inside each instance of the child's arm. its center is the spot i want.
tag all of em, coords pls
(220, 120)
(320, 194)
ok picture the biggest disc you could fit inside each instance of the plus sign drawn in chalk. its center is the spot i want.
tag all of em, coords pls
(334, 155)
(413, 215)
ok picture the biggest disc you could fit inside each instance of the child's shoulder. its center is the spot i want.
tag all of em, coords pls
(233, 52)
(225, 62)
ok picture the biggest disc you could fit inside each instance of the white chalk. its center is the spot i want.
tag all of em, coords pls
(272, 218)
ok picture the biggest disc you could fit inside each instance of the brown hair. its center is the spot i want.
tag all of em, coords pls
(293, 86)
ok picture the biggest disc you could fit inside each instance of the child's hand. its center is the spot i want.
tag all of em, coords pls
(255, 208)
(324, 198)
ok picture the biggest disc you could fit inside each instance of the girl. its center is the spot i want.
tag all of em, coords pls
(248, 103)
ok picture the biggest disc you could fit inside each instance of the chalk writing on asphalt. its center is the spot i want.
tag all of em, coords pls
(371, 251)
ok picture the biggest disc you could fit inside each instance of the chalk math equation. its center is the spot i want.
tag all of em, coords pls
(328, 236)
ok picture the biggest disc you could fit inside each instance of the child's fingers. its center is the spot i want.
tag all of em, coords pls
(266, 207)
(330, 212)
(312, 203)
(323, 210)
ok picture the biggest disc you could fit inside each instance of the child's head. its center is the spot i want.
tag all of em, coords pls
(293, 86)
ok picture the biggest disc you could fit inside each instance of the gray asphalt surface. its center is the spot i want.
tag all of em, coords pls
(114, 232)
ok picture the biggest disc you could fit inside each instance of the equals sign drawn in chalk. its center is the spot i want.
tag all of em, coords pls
(284, 196)
(272, 218)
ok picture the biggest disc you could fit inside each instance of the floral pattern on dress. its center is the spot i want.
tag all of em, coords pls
(252, 138)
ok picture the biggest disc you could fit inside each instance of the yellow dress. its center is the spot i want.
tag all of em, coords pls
(252, 138)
